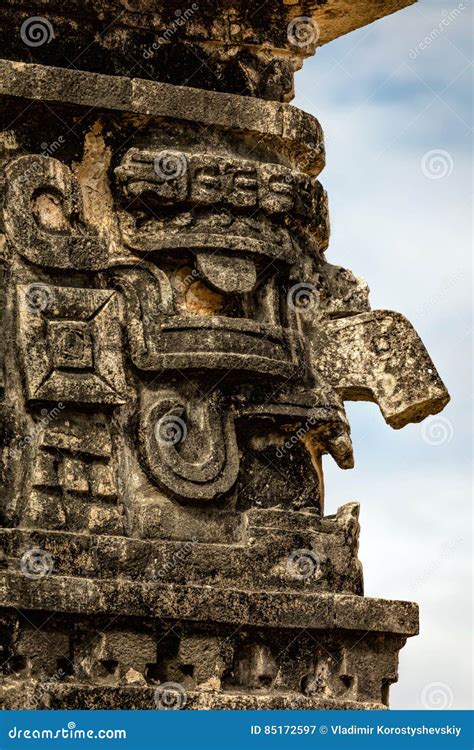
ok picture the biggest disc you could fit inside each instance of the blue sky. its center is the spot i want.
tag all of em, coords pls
(401, 218)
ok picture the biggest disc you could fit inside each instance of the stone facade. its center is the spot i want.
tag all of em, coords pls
(176, 354)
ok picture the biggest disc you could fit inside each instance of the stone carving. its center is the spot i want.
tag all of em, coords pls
(237, 204)
(235, 672)
(176, 355)
(207, 465)
(44, 214)
(383, 361)
(242, 52)
(70, 344)
(167, 178)
(76, 457)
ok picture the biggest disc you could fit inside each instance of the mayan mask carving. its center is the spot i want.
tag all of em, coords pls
(176, 355)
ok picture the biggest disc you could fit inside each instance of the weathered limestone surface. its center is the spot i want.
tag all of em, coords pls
(231, 46)
(175, 356)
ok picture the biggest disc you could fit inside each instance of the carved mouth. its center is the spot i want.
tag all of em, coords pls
(216, 343)
(210, 232)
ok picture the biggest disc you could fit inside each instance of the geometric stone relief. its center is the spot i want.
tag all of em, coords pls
(189, 444)
(75, 456)
(44, 214)
(207, 181)
(212, 668)
(70, 344)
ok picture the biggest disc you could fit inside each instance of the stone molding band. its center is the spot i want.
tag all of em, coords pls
(299, 131)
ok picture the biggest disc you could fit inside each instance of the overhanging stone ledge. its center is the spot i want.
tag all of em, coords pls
(318, 611)
(297, 129)
(73, 696)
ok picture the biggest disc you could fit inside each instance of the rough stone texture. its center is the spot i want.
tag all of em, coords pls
(224, 45)
(175, 355)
